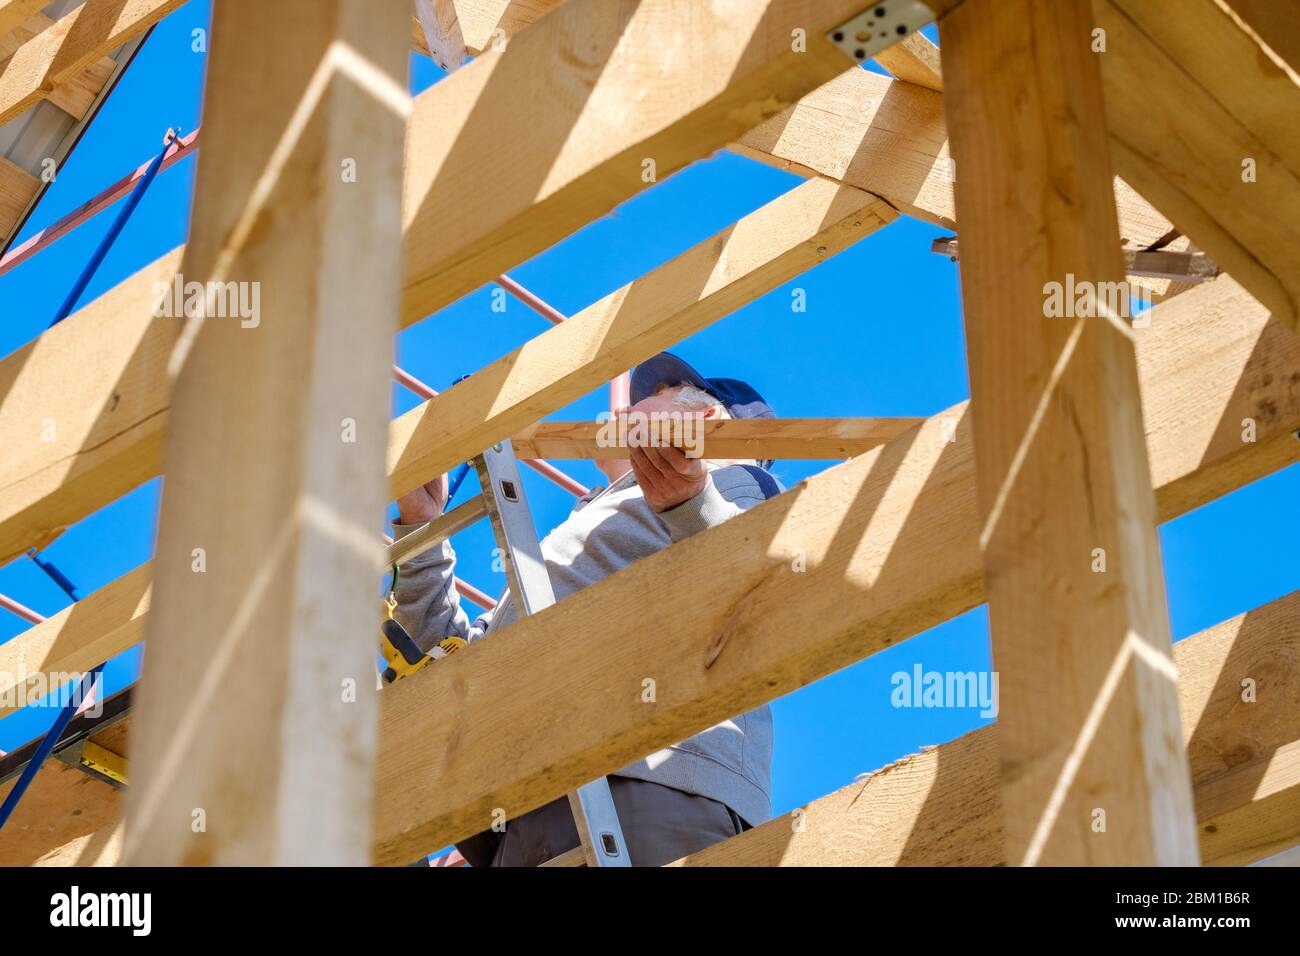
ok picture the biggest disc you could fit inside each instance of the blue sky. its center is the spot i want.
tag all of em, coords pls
(882, 335)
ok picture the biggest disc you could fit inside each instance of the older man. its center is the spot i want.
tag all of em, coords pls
(690, 794)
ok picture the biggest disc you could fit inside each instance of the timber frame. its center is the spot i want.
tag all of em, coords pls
(1079, 141)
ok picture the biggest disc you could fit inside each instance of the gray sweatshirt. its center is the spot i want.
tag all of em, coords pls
(730, 762)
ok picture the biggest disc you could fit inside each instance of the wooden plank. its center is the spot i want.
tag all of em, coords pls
(93, 630)
(17, 187)
(481, 23)
(274, 459)
(914, 60)
(485, 21)
(76, 95)
(68, 456)
(13, 13)
(1190, 98)
(1274, 23)
(894, 534)
(759, 438)
(73, 43)
(768, 247)
(1091, 770)
(72, 451)
(942, 807)
(890, 138)
(1210, 360)
(441, 29)
(587, 135)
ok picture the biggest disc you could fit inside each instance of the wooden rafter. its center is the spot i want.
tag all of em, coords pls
(474, 210)
(1088, 726)
(943, 806)
(296, 393)
(1211, 359)
(60, 53)
(1202, 123)
(100, 449)
(890, 138)
(914, 60)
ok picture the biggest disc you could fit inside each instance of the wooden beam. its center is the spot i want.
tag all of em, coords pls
(93, 630)
(1200, 119)
(274, 457)
(1210, 360)
(781, 438)
(72, 451)
(76, 95)
(890, 138)
(482, 23)
(943, 807)
(17, 187)
(1091, 771)
(768, 247)
(1274, 23)
(914, 60)
(485, 21)
(73, 43)
(441, 29)
(894, 534)
(13, 13)
(588, 135)
(68, 456)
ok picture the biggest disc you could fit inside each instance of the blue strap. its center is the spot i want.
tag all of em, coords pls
(47, 745)
(106, 243)
(766, 483)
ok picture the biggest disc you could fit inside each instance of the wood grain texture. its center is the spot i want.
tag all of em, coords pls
(915, 59)
(1273, 22)
(13, 13)
(1210, 359)
(76, 41)
(755, 255)
(98, 450)
(586, 127)
(17, 187)
(759, 438)
(1089, 720)
(890, 138)
(70, 451)
(1190, 96)
(274, 458)
(942, 807)
(894, 534)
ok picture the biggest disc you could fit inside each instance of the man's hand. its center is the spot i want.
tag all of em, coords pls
(667, 477)
(424, 503)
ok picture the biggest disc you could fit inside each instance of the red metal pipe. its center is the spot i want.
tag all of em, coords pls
(534, 302)
(407, 380)
(9, 604)
(96, 204)
(474, 594)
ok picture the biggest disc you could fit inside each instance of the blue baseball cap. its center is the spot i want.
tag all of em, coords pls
(739, 398)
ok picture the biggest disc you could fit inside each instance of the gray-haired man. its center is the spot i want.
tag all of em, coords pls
(690, 794)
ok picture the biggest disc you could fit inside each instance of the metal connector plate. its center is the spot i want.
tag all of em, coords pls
(879, 26)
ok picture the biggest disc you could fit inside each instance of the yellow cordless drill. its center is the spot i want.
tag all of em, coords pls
(402, 655)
